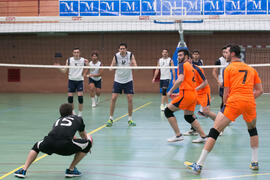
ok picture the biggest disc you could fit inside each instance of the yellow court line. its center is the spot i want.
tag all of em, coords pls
(92, 132)
(231, 177)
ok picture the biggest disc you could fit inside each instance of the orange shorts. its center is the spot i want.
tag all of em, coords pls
(234, 108)
(186, 100)
(204, 99)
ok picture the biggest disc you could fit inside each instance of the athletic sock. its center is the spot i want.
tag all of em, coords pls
(254, 154)
(202, 157)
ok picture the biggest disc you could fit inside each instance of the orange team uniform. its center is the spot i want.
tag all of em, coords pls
(204, 93)
(187, 98)
(240, 79)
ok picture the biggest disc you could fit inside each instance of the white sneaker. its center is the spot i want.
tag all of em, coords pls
(97, 100)
(200, 140)
(80, 113)
(221, 133)
(162, 107)
(174, 139)
(73, 112)
(93, 104)
(191, 132)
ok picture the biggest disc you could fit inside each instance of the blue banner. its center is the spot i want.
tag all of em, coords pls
(213, 7)
(256, 7)
(193, 7)
(235, 7)
(109, 8)
(89, 8)
(69, 8)
(130, 7)
(149, 7)
(162, 7)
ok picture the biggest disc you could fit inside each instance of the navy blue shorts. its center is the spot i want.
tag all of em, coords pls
(221, 91)
(96, 83)
(164, 83)
(75, 85)
(126, 87)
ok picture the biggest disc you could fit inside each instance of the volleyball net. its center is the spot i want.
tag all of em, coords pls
(31, 46)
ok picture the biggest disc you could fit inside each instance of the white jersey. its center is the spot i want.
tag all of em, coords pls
(123, 75)
(165, 73)
(75, 74)
(223, 62)
(95, 70)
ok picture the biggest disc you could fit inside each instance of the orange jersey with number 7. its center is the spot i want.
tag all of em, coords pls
(240, 79)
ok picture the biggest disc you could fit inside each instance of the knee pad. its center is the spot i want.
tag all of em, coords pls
(35, 147)
(253, 132)
(70, 99)
(80, 99)
(168, 113)
(189, 118)
(164, 91)
(213, 133)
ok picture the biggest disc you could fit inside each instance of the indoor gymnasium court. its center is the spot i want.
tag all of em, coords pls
(39, 37)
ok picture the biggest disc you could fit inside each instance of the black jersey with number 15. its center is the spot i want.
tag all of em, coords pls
(66, 127)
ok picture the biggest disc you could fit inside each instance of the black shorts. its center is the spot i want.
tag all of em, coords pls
(164, 83)
(74, 86)
(126, 87)
(96, 83)
(64, 147)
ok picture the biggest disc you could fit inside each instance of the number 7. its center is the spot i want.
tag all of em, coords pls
(245, 76)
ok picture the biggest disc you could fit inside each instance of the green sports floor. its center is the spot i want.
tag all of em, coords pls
(127, 153)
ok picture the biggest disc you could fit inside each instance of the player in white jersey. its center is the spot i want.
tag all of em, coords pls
(123, 81)
(165, 76)
(218, 74)
(75, 78)
(94, 75)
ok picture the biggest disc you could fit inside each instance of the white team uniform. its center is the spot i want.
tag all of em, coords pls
(94, 69)
(75, 74)
(123, 75)
(223, 62)
(165, 73)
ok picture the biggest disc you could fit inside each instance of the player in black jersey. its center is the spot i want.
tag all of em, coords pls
(61, 140)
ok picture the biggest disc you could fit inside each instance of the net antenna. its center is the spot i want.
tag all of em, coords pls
(181, 42)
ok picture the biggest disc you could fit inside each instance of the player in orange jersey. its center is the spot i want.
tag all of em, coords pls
(242, 86)
(187, 98)
(203, 97)
(203, 91)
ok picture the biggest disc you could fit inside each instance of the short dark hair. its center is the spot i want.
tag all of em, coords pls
(65, 109)
(76, 48)
(236, 49)
(165, 50)
(225, 47)
(186, 52)
(123, 44)
(196, 51)
(94, 53)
